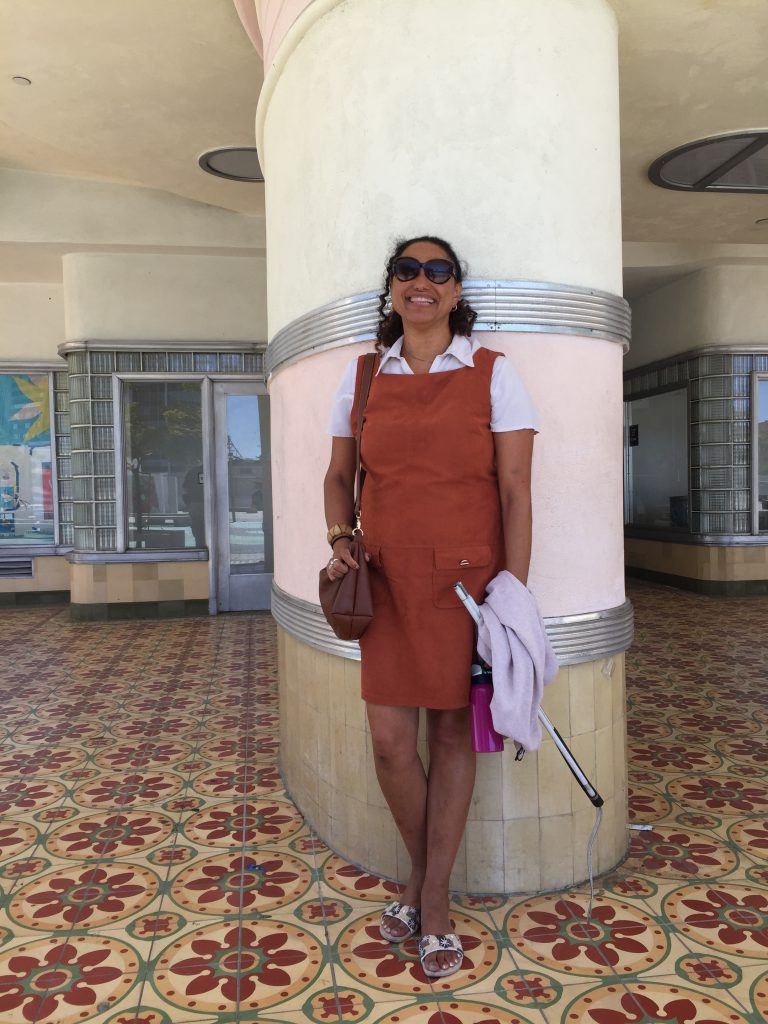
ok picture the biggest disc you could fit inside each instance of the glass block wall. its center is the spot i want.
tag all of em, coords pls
(87, 473)
(720, 432)
(63, 449)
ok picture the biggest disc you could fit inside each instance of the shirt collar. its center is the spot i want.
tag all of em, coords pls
(460, 348)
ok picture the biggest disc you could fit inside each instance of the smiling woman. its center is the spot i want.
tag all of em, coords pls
(446, 447)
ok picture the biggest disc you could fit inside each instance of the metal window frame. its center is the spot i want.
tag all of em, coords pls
(206, 380)
(33, 550)
(756, 379)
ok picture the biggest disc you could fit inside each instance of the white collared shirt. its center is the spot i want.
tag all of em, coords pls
(511, 406)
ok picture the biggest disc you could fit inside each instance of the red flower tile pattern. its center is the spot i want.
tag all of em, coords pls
(729, 918)
(233, 823)
(60, 981)
(650, 1004)
(395, 968)
(109, 834)
(84, 897)
(722, 794)
(676, 853)
(253, 966)
(174, 725)
(555, 932)
(240, 883)
(127, 789)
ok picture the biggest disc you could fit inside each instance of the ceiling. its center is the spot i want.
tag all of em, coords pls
(129, 92)
(133, 92)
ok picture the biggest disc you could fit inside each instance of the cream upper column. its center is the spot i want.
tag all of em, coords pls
(495, 125)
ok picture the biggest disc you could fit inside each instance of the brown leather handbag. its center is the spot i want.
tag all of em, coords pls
(347, 602)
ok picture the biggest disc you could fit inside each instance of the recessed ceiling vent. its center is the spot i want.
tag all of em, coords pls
(737, 162)
(238, 163)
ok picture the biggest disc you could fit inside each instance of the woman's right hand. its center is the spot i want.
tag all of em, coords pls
(341, 560)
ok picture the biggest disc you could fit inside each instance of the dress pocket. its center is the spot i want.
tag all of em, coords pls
(468, 564)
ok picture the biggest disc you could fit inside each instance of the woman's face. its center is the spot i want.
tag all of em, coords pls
(420, 302)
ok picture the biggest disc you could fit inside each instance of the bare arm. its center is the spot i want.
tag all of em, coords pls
(514, 454)
(340, 482)
(339, 491)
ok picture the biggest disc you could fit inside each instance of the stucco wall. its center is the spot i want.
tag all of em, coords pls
(724, 305)
(120, 297)
(31, 320)
(349, 170)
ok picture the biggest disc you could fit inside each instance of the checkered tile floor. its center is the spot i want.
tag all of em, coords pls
(154, 871)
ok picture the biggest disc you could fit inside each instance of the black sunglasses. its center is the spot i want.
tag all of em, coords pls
(406, 268)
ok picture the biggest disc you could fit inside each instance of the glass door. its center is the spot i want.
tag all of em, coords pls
(242, 497)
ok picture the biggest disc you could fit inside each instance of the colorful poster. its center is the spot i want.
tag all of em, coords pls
(25, 412)
(26, 483)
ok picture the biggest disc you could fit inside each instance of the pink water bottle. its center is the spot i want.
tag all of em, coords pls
(485, 739)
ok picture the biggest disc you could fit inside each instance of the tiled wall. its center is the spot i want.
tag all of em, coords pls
(139, 582)
(50, 574)
(697, 561)
(529, 821)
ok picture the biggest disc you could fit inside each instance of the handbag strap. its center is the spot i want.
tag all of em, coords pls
(365, 387)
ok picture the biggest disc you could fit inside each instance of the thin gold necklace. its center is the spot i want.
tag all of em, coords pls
(410, 355)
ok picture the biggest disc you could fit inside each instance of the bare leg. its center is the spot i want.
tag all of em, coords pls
(394, 731)
(450, 784)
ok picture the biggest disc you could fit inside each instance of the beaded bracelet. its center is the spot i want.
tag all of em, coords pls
(337, 531)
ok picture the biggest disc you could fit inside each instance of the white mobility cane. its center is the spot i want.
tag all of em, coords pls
(587, 787)
(560, 743)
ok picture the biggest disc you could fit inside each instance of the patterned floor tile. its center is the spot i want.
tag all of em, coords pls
(650, 1002)
(49, 980)
(145, 830)
(554, 932)
(258, 965)
(675, 852)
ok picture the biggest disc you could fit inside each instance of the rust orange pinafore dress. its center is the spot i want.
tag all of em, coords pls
(431, 515)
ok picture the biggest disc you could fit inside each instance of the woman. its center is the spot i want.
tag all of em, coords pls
(446, 446)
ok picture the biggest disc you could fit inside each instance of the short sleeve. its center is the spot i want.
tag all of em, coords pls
(341, 410)
(511, 405)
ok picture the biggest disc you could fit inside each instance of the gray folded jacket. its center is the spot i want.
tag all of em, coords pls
(512, 639)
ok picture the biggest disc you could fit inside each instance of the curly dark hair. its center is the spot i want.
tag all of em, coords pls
(390, 327)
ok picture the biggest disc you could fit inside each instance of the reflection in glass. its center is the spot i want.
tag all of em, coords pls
(762, 455)
(657, 456)
(26, 482)
(163, 433)
(250, 484)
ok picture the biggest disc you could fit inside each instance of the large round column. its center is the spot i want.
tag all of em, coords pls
(494, 124)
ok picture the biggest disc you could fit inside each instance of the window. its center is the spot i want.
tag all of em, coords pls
(657, 461)
(163, 452)
(761, 457)
(26, 473)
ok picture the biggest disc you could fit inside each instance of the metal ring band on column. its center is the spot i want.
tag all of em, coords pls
(588, 636)
(527, 306)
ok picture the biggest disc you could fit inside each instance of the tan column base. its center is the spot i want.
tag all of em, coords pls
(529, 821)
(710, 563)
(128, 589)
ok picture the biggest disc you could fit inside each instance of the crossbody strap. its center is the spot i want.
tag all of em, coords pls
(365, 387)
